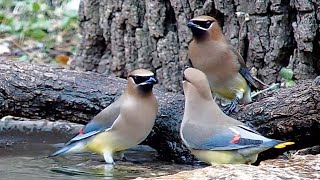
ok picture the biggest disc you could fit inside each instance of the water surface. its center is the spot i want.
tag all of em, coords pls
(25, 157)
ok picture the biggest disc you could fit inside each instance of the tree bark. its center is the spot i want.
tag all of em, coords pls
(18, 130)
(42, 92)
(122, 35)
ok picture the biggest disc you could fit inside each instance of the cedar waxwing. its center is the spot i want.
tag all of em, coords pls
(211, 135)
(123, 124)
(228, 75)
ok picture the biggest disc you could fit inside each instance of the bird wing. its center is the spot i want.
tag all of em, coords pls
(232, 138)
(244, 71)
(101, 122)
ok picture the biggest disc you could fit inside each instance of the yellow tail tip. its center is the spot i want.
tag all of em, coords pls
(283, 145)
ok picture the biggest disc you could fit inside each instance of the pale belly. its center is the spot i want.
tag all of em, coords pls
(231, 89)
(223, 157)
(110, 142)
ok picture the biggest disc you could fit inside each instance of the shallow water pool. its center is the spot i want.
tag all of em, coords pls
(25, 157)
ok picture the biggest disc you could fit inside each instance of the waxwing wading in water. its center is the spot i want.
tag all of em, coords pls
(211, 135)
(123, 124)
(228, 75)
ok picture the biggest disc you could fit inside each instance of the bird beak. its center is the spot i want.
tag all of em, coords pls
(183, 77)
(151, 80)
(192, 25)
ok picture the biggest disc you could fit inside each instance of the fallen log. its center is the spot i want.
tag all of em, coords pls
(17, 130)
(287, 114)
(43, 92)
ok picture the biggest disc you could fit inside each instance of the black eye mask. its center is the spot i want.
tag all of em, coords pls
(141, 79)
(204, 24)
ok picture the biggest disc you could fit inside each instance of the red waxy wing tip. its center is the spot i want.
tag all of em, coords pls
(235, 139)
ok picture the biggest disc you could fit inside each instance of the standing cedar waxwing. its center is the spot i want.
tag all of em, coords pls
(226, 70)
(212, 136)
(123, 124)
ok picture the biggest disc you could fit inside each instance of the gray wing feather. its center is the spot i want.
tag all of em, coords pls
(82, 136)
(223, 140)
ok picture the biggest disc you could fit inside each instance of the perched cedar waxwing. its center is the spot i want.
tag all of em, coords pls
(228, 75)
(211, 135)
(123, 124)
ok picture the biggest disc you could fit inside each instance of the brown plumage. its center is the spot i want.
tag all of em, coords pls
(226, 70)
(123, 124)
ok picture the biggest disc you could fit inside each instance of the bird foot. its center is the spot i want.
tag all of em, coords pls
(108, 167)
(316, 81)
(122, 156)
(231, 107)
(108, 158)
(199, 163)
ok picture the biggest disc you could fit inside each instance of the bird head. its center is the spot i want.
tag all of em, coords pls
(196, 82)
(142, 80)
(205, 26)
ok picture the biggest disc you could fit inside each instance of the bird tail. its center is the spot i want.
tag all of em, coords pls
(283, 145)
(74, 147)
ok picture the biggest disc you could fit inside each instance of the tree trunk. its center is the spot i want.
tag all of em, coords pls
(121, 35)
(42, 92)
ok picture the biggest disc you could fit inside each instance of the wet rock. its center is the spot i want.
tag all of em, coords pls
(299, 167)
(310, 150)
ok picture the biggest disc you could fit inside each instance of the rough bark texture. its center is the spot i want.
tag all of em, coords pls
(121, 35)
(17, 130)
(34, 91)
(286, 112)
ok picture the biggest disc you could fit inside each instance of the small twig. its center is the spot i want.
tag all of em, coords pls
(271, 87)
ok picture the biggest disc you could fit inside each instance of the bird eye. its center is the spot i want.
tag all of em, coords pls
(140, 79)
(208, 24)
